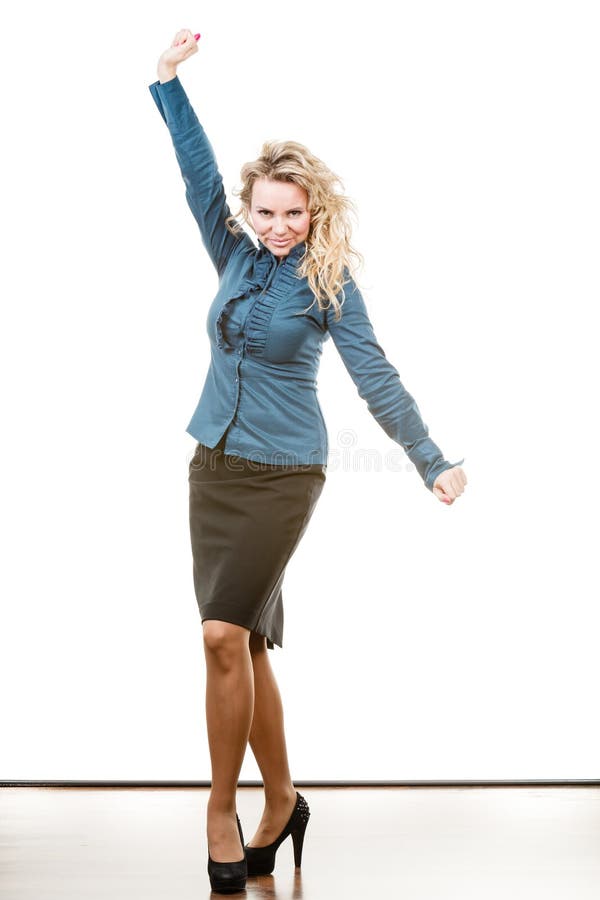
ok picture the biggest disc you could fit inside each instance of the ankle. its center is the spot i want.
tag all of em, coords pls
(280, 796)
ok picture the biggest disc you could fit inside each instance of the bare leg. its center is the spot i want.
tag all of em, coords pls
(229, 705)
(267, 739)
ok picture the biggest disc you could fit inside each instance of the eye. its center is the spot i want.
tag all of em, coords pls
(293, 212)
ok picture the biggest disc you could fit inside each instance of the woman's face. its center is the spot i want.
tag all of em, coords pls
(279, 214)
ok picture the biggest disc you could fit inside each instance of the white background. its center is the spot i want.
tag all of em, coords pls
(421, 641)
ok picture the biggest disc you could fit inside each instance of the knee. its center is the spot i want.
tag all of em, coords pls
(224, 641)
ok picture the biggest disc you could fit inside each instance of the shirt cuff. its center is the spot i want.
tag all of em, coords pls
(437, 470)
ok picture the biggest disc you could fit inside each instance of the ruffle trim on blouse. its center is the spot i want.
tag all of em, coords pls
(259, 318)
(254, 281)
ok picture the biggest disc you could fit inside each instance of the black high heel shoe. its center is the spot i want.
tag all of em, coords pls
(227, 877)
(261, 860)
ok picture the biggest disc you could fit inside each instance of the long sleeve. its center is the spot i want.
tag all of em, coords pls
(203, 182)
(378, 383)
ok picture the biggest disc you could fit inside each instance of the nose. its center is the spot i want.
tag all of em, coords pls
(279, 227)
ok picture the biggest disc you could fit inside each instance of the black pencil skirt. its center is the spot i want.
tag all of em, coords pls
(246, 520)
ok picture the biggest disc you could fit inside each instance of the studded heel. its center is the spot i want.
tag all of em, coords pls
(261, 860)
(227, 877)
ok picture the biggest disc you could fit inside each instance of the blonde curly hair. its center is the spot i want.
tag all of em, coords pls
(329, 254)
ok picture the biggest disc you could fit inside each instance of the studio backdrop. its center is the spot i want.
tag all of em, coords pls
(422, 641)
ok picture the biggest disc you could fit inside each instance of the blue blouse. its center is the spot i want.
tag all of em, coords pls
(265, 349)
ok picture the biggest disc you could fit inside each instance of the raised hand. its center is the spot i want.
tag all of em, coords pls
(184, 44)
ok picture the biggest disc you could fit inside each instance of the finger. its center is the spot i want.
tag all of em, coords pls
(455, 489)
(461, 476)
(457, 484)
(457, 476)
(450, 488)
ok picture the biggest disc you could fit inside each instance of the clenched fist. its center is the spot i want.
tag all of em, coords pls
(450, 484)
(184, 44)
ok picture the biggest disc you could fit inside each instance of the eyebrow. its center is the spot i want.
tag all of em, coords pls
(293, 209)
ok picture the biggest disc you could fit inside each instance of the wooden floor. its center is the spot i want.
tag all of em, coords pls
(410, 843)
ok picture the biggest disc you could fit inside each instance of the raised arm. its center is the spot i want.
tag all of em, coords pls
(203, 182)
(378, 382)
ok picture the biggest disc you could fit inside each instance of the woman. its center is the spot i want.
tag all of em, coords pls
(261, 455)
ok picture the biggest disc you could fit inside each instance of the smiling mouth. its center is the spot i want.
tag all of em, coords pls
(274, 241)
